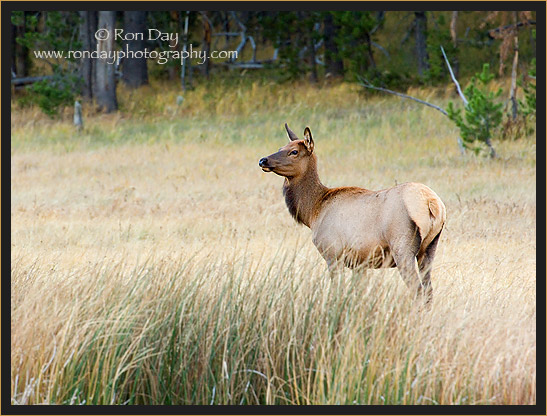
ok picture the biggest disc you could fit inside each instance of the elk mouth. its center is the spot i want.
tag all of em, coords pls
(263, 163)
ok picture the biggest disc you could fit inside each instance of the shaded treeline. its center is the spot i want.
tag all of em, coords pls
(393, 49)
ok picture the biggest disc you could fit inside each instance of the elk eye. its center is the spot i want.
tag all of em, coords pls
(294, 152)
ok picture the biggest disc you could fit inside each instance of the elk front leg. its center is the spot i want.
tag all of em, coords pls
(335, 266)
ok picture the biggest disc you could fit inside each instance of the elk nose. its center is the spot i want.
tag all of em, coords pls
(263, 161)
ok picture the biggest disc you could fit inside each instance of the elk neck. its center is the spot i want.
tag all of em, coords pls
(304, 193)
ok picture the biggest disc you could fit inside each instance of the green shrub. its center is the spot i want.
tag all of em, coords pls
(52, 93)
(482, 116)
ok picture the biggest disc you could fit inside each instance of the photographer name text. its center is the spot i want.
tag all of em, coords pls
(151, 34)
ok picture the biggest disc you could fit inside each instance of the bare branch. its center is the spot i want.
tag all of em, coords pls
(29, 80)
(460, 92)
(379, 20)
(493, 33)
(407, 34)
(226, 34)
(241, 25)
(253, 45)
(245, 65)
(205, 17)
(365, 83)
(386, 53)
(465, 102)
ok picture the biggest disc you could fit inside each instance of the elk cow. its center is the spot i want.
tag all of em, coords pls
(351, 226)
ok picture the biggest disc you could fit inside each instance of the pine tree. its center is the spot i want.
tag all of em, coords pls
(482, 116)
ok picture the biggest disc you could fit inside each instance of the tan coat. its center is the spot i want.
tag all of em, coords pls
(353, 226)
(361, 226)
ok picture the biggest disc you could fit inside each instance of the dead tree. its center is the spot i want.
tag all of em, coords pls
(207, 32)
(135, 71)
(186, 63)
(513, 93)
(420, 29)
(88, 27)
(20, 52)
(334, 64)
(105, 80)
(454, 36)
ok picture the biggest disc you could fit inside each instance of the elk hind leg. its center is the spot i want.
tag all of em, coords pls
(404, 253)
(425, 264)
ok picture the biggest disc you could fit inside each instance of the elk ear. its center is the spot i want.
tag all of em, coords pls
(291, 134)
(308, 140)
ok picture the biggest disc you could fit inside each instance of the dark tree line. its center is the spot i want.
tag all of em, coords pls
(302, 44)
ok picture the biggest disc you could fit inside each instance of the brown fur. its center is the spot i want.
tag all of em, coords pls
(343, 191)
(355, 226)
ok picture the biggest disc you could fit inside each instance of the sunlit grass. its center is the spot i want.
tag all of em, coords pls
(154, 263)
(270, 332)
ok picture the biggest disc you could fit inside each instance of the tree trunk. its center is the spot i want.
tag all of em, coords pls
(226, 28)
(88, 27)
(313, 65)
(371, 62)
(207, 32)
(453, 23)
(334, 65)
(185, 67)
(421, 43)
(532, 41)
(105, 80)
(311, 45)
(13, 46)
(21, 62)
(513, 96)
(135, 72)
(454, 36)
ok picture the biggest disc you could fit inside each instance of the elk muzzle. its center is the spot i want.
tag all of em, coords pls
(263, 163)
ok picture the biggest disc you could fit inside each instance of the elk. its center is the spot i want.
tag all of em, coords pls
(352, 226)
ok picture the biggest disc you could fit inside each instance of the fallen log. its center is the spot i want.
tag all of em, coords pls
(29, 80)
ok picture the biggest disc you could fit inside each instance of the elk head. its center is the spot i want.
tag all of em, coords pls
(293, 159)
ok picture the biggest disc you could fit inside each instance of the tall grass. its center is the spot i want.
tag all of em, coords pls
(151, 110)
(152, 262)
(276, 331)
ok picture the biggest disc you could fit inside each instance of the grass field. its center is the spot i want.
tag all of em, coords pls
(153, 262)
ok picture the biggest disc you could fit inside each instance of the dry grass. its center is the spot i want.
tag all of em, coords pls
(154, 263)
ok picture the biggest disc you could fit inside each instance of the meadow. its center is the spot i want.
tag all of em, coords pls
(153, 262)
